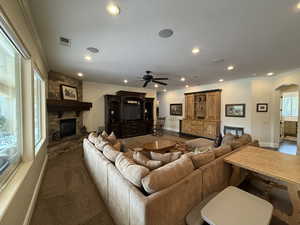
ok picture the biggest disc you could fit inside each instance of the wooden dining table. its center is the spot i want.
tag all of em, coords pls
(273, 164)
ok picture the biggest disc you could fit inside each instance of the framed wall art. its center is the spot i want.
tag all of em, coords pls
(235, 110)
(68, 92)
(261, 107)
(176, 109)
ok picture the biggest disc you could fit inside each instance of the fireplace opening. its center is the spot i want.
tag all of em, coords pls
(67, 127)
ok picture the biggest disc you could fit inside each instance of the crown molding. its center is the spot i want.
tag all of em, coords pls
(31, 25)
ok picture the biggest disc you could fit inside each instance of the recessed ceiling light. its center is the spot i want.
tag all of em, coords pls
(80, 74)
(165, 33)
(221, 80)
(270, 74)
(182, 79)
(231, 67)
(165, 90)
(88, 58)
(298, 5)
(125, 81)
(195, 50)
(187, 86)
(113, 9)
(156, 85)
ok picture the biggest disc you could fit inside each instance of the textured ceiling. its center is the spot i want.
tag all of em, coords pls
(254, 35)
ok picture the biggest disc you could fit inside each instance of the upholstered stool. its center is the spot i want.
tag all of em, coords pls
(194, 216)
(237, 207)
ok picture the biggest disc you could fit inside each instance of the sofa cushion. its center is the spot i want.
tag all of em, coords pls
(167, 175)
(100, 144)
(130, 170)
(112, 138)
(143, 160)
(245, 139)
(200, 159)
(110, 153)
(166, 157)
(236, 144)
(93, 138)
(228, 139)
(222, 150)
(117, 146)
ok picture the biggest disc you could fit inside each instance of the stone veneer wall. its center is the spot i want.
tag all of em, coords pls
(55, 80)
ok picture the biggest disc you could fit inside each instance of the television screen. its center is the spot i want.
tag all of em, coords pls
(132, 112)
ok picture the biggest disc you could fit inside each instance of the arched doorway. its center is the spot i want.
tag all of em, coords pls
(288, 133)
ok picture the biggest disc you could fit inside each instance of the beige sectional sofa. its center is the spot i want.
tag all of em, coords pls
(166, 195)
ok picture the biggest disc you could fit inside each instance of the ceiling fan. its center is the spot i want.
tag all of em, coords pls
(148, 77)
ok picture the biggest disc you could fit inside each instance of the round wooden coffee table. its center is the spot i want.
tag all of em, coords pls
(160, 146)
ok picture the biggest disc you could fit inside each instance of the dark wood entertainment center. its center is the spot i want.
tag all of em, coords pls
(128, 114)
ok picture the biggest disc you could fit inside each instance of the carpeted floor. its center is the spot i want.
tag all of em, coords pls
(68, 195)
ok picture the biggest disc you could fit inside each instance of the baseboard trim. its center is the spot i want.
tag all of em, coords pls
(35, 194)
(171, 129)
(269, 144)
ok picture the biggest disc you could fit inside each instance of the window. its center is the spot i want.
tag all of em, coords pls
(38, 112)
(10, 116)
(290, 105)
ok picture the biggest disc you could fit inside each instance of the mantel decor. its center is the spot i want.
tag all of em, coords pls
(176, 109)
(61, 106)
(235, 110)
(68, 92)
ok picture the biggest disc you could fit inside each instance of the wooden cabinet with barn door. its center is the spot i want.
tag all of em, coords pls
(202, 114)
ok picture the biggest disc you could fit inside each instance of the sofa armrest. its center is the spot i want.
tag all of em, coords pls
(172, 204)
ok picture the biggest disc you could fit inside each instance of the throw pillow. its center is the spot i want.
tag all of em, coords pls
(117, 146)
(245, 139)
(201, 159)
(104, 134)
(92, 137)
(130, 170)
(228, 139)
(143, 160)
(112, 138)
(101, 144)
(110, 153)
(166, 157)
(222, 150)
(167, 175)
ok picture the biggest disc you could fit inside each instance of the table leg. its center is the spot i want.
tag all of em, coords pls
(294, 194)
(235, 177)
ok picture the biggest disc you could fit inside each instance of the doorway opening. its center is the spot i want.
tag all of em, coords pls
(289, 116)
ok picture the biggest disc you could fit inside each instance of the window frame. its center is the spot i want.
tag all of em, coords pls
(36, 71)
(288, 114)
(10, 171)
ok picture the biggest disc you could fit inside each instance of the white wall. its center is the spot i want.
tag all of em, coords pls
(250, 91)
(95, 92)
(232, 92)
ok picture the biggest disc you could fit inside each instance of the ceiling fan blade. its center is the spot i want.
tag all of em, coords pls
(146, 83)
(161, 78)
(158, 82)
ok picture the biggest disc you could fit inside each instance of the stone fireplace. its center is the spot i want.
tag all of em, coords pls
(65, 120)
(67, 127)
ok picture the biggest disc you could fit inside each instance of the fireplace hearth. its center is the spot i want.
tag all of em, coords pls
(67, 127)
